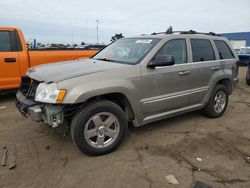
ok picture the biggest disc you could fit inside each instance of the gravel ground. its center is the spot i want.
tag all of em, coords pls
(46, 159)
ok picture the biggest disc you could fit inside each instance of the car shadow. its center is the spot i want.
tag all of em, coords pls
(6, 96)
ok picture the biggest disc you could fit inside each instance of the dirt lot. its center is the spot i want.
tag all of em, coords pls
(46, 159)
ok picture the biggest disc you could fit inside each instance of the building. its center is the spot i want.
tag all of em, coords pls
(239, 39)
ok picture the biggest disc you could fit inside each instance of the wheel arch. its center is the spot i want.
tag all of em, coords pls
(227, 83)
(225, 80)
(117, 97)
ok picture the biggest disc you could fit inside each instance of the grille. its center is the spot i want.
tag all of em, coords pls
(28, 87)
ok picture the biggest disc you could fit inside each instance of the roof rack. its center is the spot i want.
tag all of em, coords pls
(187, 32)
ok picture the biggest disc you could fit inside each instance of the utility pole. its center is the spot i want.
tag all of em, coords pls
(97, 34)
(72, 39)
(86, 31)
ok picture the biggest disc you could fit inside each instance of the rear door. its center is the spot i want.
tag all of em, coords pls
(227, 58)
(9, 60)
(202, 67)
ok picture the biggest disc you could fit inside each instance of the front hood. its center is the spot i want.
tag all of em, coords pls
(64, 70)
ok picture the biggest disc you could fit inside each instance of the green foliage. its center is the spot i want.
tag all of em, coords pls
(169, 30)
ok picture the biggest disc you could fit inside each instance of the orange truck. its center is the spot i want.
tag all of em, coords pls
(15, 58)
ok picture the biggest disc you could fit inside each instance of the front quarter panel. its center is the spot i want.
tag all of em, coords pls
(126, 81)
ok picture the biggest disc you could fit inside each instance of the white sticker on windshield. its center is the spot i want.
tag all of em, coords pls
(143, 41)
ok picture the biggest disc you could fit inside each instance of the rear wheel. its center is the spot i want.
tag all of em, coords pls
(217, 103)
(99, 128)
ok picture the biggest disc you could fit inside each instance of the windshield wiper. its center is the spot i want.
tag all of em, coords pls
(105, 59)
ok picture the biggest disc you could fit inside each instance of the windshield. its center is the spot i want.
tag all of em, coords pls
(129, 51)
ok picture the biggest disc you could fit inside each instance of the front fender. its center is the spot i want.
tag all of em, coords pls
(104, 87)
(84, 91)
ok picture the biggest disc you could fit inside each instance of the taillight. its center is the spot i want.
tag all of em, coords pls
(235, 69)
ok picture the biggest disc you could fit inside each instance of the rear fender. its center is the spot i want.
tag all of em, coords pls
(217, 78)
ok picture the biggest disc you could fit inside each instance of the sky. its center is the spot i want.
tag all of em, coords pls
(74, 21)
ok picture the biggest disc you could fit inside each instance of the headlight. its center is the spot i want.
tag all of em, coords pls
(48, 93)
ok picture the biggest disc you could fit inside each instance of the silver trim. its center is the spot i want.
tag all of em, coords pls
(175, 95)
(155, 116)
(199, 62)
(183, 73)
(215, 68)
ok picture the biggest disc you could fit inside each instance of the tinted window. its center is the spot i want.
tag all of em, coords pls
(202, 50)
(176, 48)
(223, 50)
(5, 44)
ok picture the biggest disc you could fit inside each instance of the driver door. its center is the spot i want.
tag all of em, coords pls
(165, 89)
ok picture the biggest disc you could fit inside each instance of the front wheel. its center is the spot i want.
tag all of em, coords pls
(217, 103)
(99, 128)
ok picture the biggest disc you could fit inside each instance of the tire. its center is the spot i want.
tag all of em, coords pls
(99, 128)
(248, 79)
(213, 111)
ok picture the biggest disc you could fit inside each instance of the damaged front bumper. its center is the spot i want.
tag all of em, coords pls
(50, 114)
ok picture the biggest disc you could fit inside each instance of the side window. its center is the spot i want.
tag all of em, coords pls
(176, 48)
(202, 50)
(5, 43)
(223, 50)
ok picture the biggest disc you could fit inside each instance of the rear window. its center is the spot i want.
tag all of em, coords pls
(5, 44)
(223, 50)
(202, 50)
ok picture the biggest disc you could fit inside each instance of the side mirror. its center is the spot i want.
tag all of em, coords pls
(161, 60)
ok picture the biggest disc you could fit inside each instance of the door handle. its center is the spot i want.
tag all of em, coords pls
(182, 73)
(215, 68)
(9, 60)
